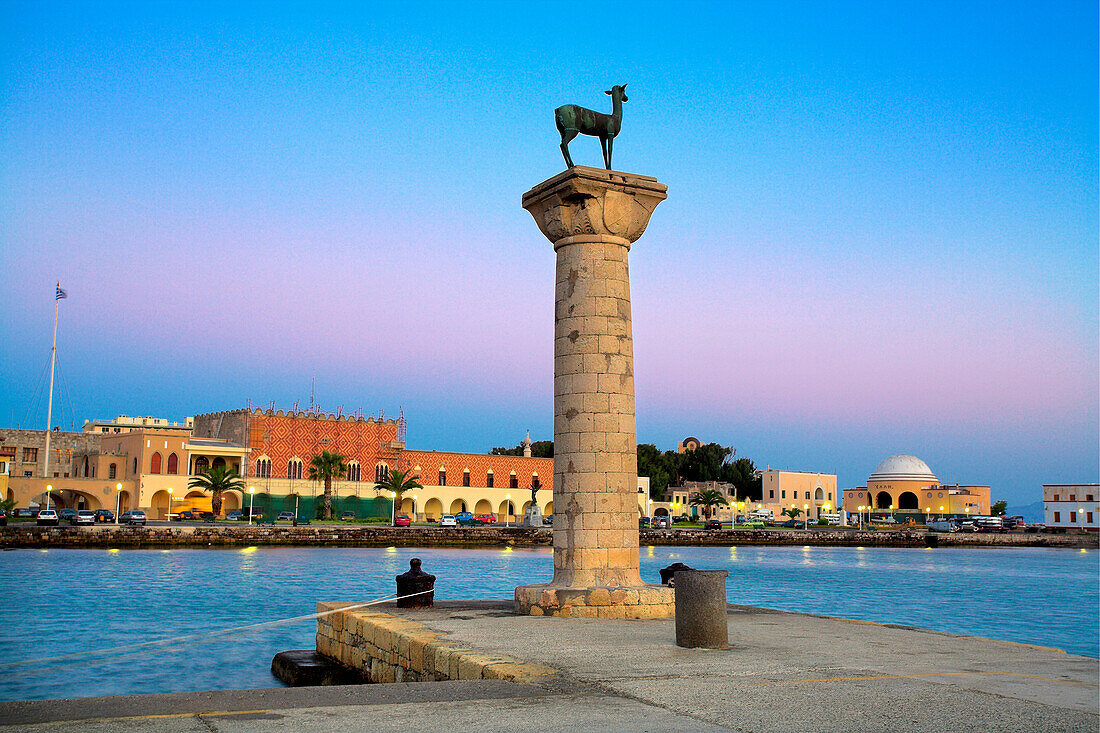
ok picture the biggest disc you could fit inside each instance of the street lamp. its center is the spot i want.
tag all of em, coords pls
(507, 509)
(806, 518)
(169, 503)
(414, 507)
(941, 512)
(49, 488)
(393, 507)
(118, 500)
(251, 494)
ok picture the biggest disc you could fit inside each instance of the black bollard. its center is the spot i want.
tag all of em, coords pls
(667, 573)
(415, 581)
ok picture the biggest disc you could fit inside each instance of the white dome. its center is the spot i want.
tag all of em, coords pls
(903, 468)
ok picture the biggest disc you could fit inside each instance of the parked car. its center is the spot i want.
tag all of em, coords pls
(660, 523)
(548, 520)
(883, 519)
(946, 525)
(24, 513)
(464, 518)
(644, 522)
(303, 520)
(132, 517)
(66, 515)
(3, 518)
(486, 518)
(47, 518)
(347, 516)
(84, 516)
(448, 520)
(791, 523)
(104, 515)
(402, 520)
(712, 524)
(285, 517)
(234, 516)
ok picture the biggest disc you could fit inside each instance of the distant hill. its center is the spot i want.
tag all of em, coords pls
(1030, 512)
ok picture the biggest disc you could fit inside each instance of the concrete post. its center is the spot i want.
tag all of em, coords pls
(592, 216)
(701, 608)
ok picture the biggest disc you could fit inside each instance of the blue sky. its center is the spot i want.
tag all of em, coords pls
(880, 237)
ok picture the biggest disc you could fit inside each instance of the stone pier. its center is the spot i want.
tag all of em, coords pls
(592, 216)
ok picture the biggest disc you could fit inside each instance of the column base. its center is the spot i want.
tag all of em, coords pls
(633, 602)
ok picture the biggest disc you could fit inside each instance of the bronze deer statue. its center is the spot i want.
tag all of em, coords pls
(573, 120)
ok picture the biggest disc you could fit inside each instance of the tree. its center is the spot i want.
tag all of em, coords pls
(397, 483)
(327, 467)
(792, 512)
(216, 480)
(998, 508)
(539, 449)
(653, 463)
(708, 500)
(742, 474)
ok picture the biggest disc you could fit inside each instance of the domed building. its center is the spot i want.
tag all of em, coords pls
(905, 483)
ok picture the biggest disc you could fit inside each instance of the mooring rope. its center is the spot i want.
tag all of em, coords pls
(199, 638)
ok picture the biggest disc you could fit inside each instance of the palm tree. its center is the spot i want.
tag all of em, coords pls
(791, 512)
(708, 500)
(216, 480)
(327, 467)
(397, 483)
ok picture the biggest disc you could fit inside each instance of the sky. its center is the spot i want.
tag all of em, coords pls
(881, 234)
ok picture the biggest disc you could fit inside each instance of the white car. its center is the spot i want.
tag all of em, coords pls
(448, 520)
(84, 516)
(47, 517)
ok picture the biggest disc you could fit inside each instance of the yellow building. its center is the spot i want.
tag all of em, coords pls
(904, 483)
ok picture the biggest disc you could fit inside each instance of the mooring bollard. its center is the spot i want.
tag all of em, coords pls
(667, 573)
(701, 608)
(415, 581)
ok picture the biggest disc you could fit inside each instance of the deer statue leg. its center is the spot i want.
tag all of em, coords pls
(566, 136)
(610, 144)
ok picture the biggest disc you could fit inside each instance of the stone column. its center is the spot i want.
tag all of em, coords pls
(592, 216)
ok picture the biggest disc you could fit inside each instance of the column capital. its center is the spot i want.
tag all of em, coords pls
(594, 204)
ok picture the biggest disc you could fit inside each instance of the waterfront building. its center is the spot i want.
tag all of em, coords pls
(811, 492)
(125, 423)
(1071, 506)
(905, 484)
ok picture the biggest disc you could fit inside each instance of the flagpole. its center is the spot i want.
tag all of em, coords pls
(49, 409)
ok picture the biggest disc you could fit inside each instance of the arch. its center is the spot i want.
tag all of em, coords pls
(458, 505)
(883, 500)
(433, 509)
(908, 500)
(195, 495)
(408, 506)
(173, 463)
(660, 512)
(263, 467)
(381, 472)
(219, 462)
(82, 500)
(202, 464)
(122, 501)
(819, 495)
(353, 471)
(524, 507)
(154, 462)
(548, 509)
(294, 468)
(507, 511)
(158, 504)
(483, 507)
(231, 501)
(85, 466)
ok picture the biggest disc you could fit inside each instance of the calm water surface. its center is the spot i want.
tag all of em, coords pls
(58, 602)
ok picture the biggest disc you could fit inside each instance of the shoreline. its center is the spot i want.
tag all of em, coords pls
(112, 537)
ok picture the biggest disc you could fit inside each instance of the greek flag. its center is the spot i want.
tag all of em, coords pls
(60, 293)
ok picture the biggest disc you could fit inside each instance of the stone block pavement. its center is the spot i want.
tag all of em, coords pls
(782, 672)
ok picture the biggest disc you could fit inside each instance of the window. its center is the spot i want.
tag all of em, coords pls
(263, 468)
(30, 455)
(26, 473)
(381, 471)
(353, 471)
(1073, 497)
(782, 494)
(1088, 498)
(513, 481)
(1056, 497)
(154, 463)
(771, 494)
(1072, 517)
(112, 471)
(173, 463)
(466, 477)
(135, 466)
(294, 468)
(1089, 515)
(442, 477)
(1057, 516)
(489, 479)
(829, 496)
(201, 464)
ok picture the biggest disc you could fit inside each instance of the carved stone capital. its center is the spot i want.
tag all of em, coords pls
(594, 204)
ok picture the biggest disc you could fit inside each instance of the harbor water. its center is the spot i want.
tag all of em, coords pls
(57, 605)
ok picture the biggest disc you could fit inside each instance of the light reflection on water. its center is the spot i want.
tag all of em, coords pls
(65, 601)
